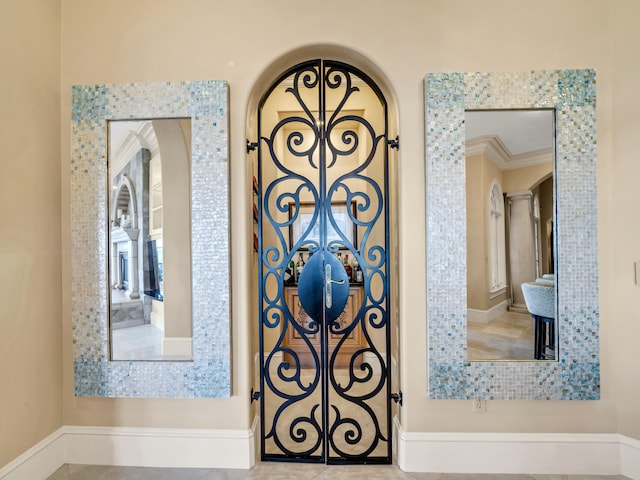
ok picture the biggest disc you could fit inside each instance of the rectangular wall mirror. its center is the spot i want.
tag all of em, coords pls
(560, 255)
(149, 164)
(150, 240)
(510, 163)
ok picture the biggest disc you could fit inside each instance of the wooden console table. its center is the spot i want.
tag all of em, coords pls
(296, 342)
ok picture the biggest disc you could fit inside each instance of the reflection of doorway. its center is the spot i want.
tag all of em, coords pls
(509, 168)
(322, 241)
(149, 195)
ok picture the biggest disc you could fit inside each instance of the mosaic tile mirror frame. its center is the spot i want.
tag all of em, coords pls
(209, 374)
(575, 374)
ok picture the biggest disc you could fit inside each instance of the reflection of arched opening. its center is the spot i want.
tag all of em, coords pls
(149, 174)
(530, 236)
(124, 212)
(505, 173)
(543, 212)
(341, 123)
(124, 243)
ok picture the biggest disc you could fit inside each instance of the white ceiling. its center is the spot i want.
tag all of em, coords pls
(521, 131)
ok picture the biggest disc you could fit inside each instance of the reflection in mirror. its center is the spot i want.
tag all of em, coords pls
(149, 239)
(571, 94)
(510, 217)
(94, 109)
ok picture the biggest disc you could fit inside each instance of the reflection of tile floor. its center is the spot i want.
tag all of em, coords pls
(125, 312)
(120, 296)
(143, 342)
(290, 471)
(508, 337)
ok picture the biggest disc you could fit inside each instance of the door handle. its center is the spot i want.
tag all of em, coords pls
(328, 282)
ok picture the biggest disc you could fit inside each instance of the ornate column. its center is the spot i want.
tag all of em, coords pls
(134, 285)
(521, 248)
(129, 237)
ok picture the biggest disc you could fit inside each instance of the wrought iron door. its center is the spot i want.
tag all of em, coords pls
(323, 242)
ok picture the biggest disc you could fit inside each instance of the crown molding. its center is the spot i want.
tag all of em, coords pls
(133, 142)
(529, 159)
(492, 147)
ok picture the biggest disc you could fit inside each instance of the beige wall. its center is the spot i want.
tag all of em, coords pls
(525, 178)
(30, 293)
(480, 173)
(176, 226)
(123, 41)
(620, 195)
(545, 195)
(147, 41)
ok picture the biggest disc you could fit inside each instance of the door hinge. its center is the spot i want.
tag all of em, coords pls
(397, 397)
(255, 395)
(251, 146)
(395, 143)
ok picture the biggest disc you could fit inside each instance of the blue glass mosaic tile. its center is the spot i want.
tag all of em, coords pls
(576, 373)
(209, 374)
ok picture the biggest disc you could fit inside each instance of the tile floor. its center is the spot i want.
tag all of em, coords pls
(142, 342)
(289, 471)
(508, 337)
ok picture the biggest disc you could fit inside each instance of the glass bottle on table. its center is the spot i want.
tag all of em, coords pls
(358, 276)
(290, 276)
(299, 265)
(347, 267)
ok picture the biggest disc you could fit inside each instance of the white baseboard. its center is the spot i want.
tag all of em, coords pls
(177, 346)
(255, 429)
(39, 462)
(531, 453)
(159, 447)
(630, 457)
(140, 447)
(485, 316)
(157, 314)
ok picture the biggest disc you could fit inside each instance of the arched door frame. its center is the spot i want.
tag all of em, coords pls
(262, 84)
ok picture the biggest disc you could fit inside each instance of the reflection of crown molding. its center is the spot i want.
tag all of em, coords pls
(129, 146)
(134, 141)
(528, 159)
(149, 134)
(520, 194)
(492, 147)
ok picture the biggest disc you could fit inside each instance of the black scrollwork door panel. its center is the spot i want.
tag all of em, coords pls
(323, 267)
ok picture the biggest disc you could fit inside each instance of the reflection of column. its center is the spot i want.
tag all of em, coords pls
(521, 245)
(125, 240)
(115, 267)
(133, 268)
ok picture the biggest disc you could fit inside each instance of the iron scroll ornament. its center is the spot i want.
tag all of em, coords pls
(305, 148)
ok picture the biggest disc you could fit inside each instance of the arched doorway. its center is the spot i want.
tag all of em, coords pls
(324, 266)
